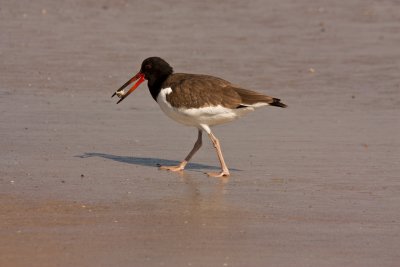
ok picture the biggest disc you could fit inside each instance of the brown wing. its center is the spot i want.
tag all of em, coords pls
(250, 97)
(194, 91)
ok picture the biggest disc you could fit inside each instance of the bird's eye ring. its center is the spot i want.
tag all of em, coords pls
(147, 67)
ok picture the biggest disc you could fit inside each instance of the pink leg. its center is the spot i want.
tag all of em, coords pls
(224, 171)
(183, 164)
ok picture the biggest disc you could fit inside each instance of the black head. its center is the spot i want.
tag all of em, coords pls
(155, 68)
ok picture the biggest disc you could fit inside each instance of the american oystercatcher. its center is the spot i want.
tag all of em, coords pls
(196, 100)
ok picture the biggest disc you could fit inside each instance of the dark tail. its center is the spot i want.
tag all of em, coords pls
(277, 103)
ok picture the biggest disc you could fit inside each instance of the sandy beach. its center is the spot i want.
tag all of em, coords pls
(316, 184)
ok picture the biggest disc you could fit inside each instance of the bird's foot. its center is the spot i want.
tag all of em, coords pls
(120, 94)
(218, 174)
(172, 168)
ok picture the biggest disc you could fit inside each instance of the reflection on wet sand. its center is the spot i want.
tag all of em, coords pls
(194, 216)
(203, 204)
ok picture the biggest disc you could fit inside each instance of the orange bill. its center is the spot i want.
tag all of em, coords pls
(139, 77)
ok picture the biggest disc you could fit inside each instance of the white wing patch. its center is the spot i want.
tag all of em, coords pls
(166, 91)
(259, 104)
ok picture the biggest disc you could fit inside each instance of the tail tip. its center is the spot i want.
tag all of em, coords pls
(277, 103)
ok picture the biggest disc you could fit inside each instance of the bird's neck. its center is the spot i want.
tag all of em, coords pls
(155, 85)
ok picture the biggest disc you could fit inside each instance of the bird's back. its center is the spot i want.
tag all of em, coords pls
(196, 90)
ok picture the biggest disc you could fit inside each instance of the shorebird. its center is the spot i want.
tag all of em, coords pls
(200, 101)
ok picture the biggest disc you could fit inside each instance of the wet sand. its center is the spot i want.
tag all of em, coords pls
(316, 184)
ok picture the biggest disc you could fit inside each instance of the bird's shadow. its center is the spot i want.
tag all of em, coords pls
(150, 162)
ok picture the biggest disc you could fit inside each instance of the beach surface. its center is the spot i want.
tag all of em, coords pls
(316, 184)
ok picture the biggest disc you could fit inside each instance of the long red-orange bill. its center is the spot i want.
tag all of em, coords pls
(131, 80)
(139, 76)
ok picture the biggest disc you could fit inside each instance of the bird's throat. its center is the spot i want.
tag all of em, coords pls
(155, 85)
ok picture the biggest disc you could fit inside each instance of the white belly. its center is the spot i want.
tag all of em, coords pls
(196, 117)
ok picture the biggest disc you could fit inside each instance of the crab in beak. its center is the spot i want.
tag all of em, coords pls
(121, 93)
